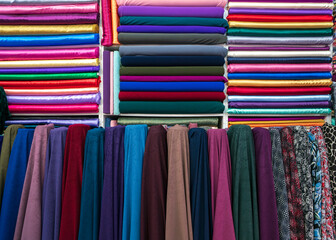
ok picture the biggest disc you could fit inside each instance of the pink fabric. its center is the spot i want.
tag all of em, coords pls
(193, 125)
(173, 3)
(51, 91)
(310, 67)
(113, 123)
(220, 175)
(29, 224)
(173, 79)
(107, 23)
(69, 108)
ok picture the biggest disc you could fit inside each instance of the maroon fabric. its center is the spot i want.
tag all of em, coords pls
(171, 96)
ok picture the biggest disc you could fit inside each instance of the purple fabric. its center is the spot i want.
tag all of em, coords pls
(172, 79)
(269, 48)
(280, 11)
(106, 82)
(113, 188)
(170, 29)
(93, 122)
(215, 12)
(290, 1)
(268, 216)
(238, 119)
(48, 70)
(279, 104)
(66, 99)
(334, 78)
(52, 186)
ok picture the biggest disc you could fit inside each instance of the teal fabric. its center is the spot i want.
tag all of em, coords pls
(116, 82)
(92, 184)
(280, 111)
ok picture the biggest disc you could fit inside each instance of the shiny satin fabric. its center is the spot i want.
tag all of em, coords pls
(253, 60)
(279, 48)
(71, 108)
(115, 21)
(206, 121)
(290, 1)
(93, 122)
(94, 82)
(48, 91)
(172, 71)
(280, 76)
(37, 2)
(172, 86)
(324, 111)
(267, 125)
(278, 91)
(261, 32)
(106, 23)
(284, 40)
(275, 18)
(281, 25)
(50, 63)
(302, 98)
(173, 79)
(49, 70)
(59, 76)
(171, 29)
(48, 29)
(257, 119)
(280, 83)
(315, 67)
(175, 3)
(283, 5)
(248, 53)
(320, 104)
(274, 11)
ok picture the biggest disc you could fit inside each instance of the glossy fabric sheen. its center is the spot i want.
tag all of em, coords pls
(302, 98)
(280, 76)
(49, 91)
(253, 125)
(275, 18)
(37, 2)
(50, 63)
(317, 67)
(46, 70)
(324, 111)
(71, 108)
(260, 32)
(93, 122)
(274, 11)
(256, 119)
(284, 40)
(281, 83)
(61, 76)
(282, 5)
(252, 53)
(171, 96)
(278, 91)
(66, 99)
(253, 60)
(172, 61)
(61, 83)
(279, 48)
(106, 23)
(173, 79)
(172, 86)
(185, 3)
(321, 104)
(170, 29)
(172, 71)
(281, 25)
(206, 121)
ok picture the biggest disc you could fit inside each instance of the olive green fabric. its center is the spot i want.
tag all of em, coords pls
(206, 121)
(31, 77)
(279, 32)
(172, 71)
(4, 111)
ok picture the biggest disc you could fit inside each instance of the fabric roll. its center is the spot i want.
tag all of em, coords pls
(111, 70)
(93, 82)
(176, 107)
(172, 71)
(268, 125)
(319, 104)
(292, 111)
(172, 86)
(138, 61)
(93, 122)
(92, 184)
(289, 53)
(116, 82)
(60, 76)
(37, 2)
(279, 48)
(279, 121)
(170, 29)
(52, 91)
(278, 91)
(213, 122)
(279, 32)
(282, 5)
(200, 187)
(244, 182)
(187, 3)
(154, 185)
(4, 111)
(177, 38)
(115, 21)
(214, 12)
(16, 172)
(29, 220)
(134, 144)
(299, 98)
(107, 23)
(276, 11)
(106, 82)
(173, 50)
(113, 187)
(178, 188)
(298, 1)
(275, 18)
(72, 180)
(52, 40)
(280, 76)
(316, 67)
(256, 119)
(281, 25)
(279, 60)
(49, 63)
(49, 70)
(173, 79)
(52, 185)
(68, 108)
(280, 83)
(172, 96)
(282, 40)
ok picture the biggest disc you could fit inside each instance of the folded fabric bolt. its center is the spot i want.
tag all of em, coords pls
(167, 3)
(50, 63)
(310, 124)
(72, 108)
(172, 71)
(214, 12)
(280, 83)
(256, 119)
(172, 61)
(282, 5)
(50, 70)
(274, 11)
(201, 121)
(66, 99)
(259, 32)
(170, 29)
(279, 48)
(290, 1)
(50, 91)
(280, 76)
(282, 40)
(293, 111)
(93, 82)
(37, 2)
(253, 60)
(60, 76)
(171, 96)
(320, 104)
(52, 40)
(276, 18)
(173, 79)
(93, 122)
(173, 50)
(283, 25)
(303, 98)
(176, 107)
(248, 53)
(172, 86)
(289, 123)
(316, 67)
(278, 91)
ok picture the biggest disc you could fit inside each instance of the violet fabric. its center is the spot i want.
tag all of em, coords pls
(93, 122)
(49, 70)
(280, 11)
(319, 104)
(106, 82)
(170, 29)
(172, 79)
(237, 119)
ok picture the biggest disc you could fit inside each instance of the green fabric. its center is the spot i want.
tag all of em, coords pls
(178, 107)
(172, 71)
(7, 144)
(8, 77)
(244, 185)
(279, 32)
(174, 21)
(206, 121)
(323, 111)
(333, 121)
(4, 111)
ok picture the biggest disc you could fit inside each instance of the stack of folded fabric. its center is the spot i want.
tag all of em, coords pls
(110, 22)
(279, 61)
(172, 79)
(49, 56)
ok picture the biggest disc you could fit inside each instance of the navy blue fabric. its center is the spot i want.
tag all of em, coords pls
(172, 86)
(281, 76)
(172, 61)
(279, 60)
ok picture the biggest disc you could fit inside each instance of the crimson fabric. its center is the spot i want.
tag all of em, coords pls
(278, 91)
(72, 181)
(172, 96)
(279, 18)
(71, 108)
(91, 82)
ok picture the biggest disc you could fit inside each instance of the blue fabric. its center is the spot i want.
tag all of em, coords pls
(279, 60)
(300, 98)
(116, 82)
(49, 40)
(135, 140)
(1, 140)
(172, 86)
(16, 173)
(281, 76)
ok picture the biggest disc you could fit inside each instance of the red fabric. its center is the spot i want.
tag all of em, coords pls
(171, 96)
(279, 18)
(72, 181)
(278, 91)
(93, 82)
(71, 108)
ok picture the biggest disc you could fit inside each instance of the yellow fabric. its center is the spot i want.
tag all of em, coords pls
(115, 21)
(47, 29)
(280, 25)
(280, 83)
(50, 63)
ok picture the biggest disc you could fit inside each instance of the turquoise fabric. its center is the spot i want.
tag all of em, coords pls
(116, 82)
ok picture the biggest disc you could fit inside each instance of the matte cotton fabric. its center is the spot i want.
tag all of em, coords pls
(316, 67)
(259, 32)
(277, 11)
(278, 53)
(172, 71)
(170, 29)
(172, 86)
(172, 96)
(281, 25)
(60, 76)
(280, 41)
(138, 61)
(116, 82)
(280, 83)
(168, 121)
(280, 76)
(279, 60)
(292, 111)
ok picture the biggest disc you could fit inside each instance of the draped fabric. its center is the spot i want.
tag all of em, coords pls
(135, 140)
(154, 185)
(113, 186)
(29, 220)
(52, 186)
(4, 112)
(296, 215)
(244, 183)
(280, 185)
(72, 181)
(200, 186)
(220, 176)
(16, 172)
(1, 140)
(268, 219)
(92, 184)
(178, 211)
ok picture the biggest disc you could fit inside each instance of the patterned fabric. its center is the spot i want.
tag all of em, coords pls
(296, 218)
(280, 185)
(327, 221)
(317, 185)
(303, 161)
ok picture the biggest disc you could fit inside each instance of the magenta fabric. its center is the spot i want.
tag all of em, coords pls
(290, 1)
(172, 79)
(243, 68)
(237, 119)
(107, 23)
